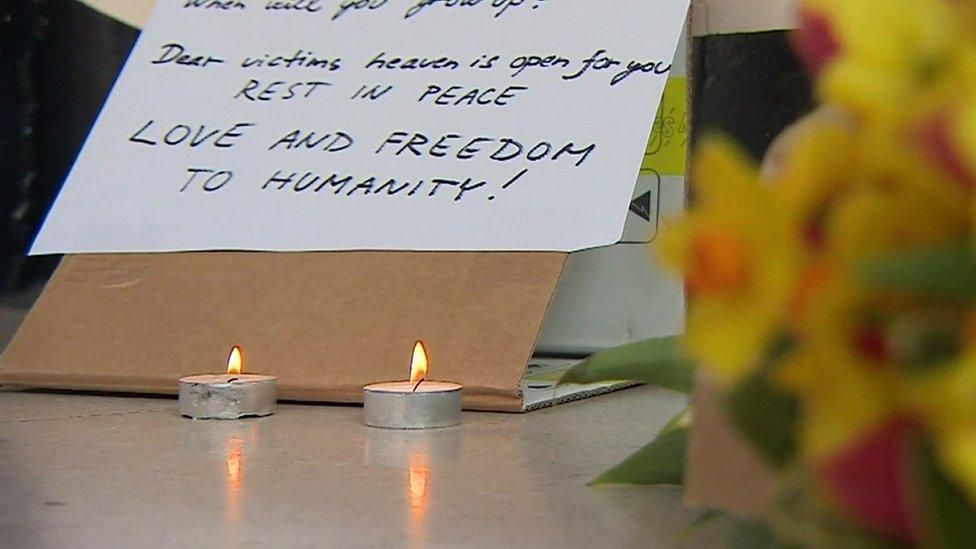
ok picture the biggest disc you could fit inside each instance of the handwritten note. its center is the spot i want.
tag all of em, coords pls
(295, 125)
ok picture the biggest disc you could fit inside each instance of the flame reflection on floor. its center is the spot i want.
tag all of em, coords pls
(418, 492)
(234, 472)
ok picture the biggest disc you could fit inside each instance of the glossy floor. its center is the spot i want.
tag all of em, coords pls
(97, 471)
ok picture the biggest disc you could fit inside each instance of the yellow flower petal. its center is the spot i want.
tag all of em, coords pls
(957, 454)
(735, 249)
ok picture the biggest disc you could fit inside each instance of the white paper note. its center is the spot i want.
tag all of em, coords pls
(296, 125)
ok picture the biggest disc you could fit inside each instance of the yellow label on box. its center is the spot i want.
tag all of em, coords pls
(667, 151)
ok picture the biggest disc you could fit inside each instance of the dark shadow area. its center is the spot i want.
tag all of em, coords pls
(60, 59)
(748, 87)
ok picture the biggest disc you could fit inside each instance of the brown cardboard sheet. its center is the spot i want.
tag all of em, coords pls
(722, 471)
(324, 323)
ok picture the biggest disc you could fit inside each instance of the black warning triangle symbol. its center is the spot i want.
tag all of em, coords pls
(642, 206)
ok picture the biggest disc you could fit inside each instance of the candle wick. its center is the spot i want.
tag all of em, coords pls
(232, 380)
(417, 386)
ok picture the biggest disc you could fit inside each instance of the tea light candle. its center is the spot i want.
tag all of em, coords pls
(228, 396)
(414, 404)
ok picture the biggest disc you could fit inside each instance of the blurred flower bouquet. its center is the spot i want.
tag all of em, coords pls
(833, 291)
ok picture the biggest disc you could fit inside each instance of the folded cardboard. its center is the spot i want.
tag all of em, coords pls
(324, 323)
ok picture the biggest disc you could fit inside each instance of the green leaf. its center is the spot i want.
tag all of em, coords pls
(766, 416)
(706, 517)
(950, 518)
(680, 421)
(801, 517)
(945, 272)
(659, 362)
(753, 535)
(661, 462)
(552, 376)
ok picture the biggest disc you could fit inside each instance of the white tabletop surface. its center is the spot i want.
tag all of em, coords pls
(105, 471)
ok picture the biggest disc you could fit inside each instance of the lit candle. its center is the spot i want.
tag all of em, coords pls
(413, 404)
(228, 396)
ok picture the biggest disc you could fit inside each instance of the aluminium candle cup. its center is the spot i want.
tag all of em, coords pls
(228, 396)
(394, 405)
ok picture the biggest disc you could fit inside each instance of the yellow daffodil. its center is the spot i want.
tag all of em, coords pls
(887, 166)
(884, 53)
(874, 220)
(820, 162)
(854, 344)
(836, 372)
(735, 250)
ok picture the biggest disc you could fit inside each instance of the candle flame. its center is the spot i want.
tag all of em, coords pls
(419, 363)
(235, 362)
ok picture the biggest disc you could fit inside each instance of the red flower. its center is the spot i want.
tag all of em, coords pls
(815, 41)
(871, 344)
(872, 480)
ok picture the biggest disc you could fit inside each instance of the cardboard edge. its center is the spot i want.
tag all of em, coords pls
(474, 398)
(582, 395)
(538, 332)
